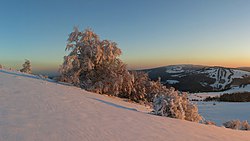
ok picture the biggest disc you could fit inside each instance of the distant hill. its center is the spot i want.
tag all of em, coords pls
(197, 78)
(50, 74)
(244, 68)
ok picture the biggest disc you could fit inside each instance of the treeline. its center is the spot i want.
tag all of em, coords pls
(235, 97)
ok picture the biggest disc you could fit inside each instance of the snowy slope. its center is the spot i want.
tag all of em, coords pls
(33, 109)
(221, 112)
(223, 76)
(203, 95)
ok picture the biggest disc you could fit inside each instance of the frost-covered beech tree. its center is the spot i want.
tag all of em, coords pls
(93, 64)
(26, 67)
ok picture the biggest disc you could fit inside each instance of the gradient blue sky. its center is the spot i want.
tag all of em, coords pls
(149, 32)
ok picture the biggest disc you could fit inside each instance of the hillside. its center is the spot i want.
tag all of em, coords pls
(34, 109)
(194, 78)
(244, 68)
(203, 95)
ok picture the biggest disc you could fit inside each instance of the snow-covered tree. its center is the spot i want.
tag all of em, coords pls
(26, 67)
(139, 88)
(175, 104)
(93, 64)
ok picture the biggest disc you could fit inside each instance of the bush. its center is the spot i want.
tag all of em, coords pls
(237, 125)
(245, 125)
(175, 105)
(233, 124)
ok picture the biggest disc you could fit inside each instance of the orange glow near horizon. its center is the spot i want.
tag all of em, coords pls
(141, 62)
(222, 63)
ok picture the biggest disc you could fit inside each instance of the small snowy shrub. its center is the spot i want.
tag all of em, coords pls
(26, 67)
(237, 125)
(233, 124)
(174, 104)
(245, 125)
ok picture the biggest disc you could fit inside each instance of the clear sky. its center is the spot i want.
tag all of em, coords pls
(150, 32)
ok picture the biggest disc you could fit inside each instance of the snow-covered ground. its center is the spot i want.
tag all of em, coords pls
(221, 112)
(203, 95)
(36, 110)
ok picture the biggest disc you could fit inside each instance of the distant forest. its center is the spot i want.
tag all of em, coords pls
(235, 97)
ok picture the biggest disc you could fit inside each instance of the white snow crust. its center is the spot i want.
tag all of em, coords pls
(32, 109)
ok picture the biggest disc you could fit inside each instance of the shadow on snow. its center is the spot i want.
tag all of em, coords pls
(114, 105)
